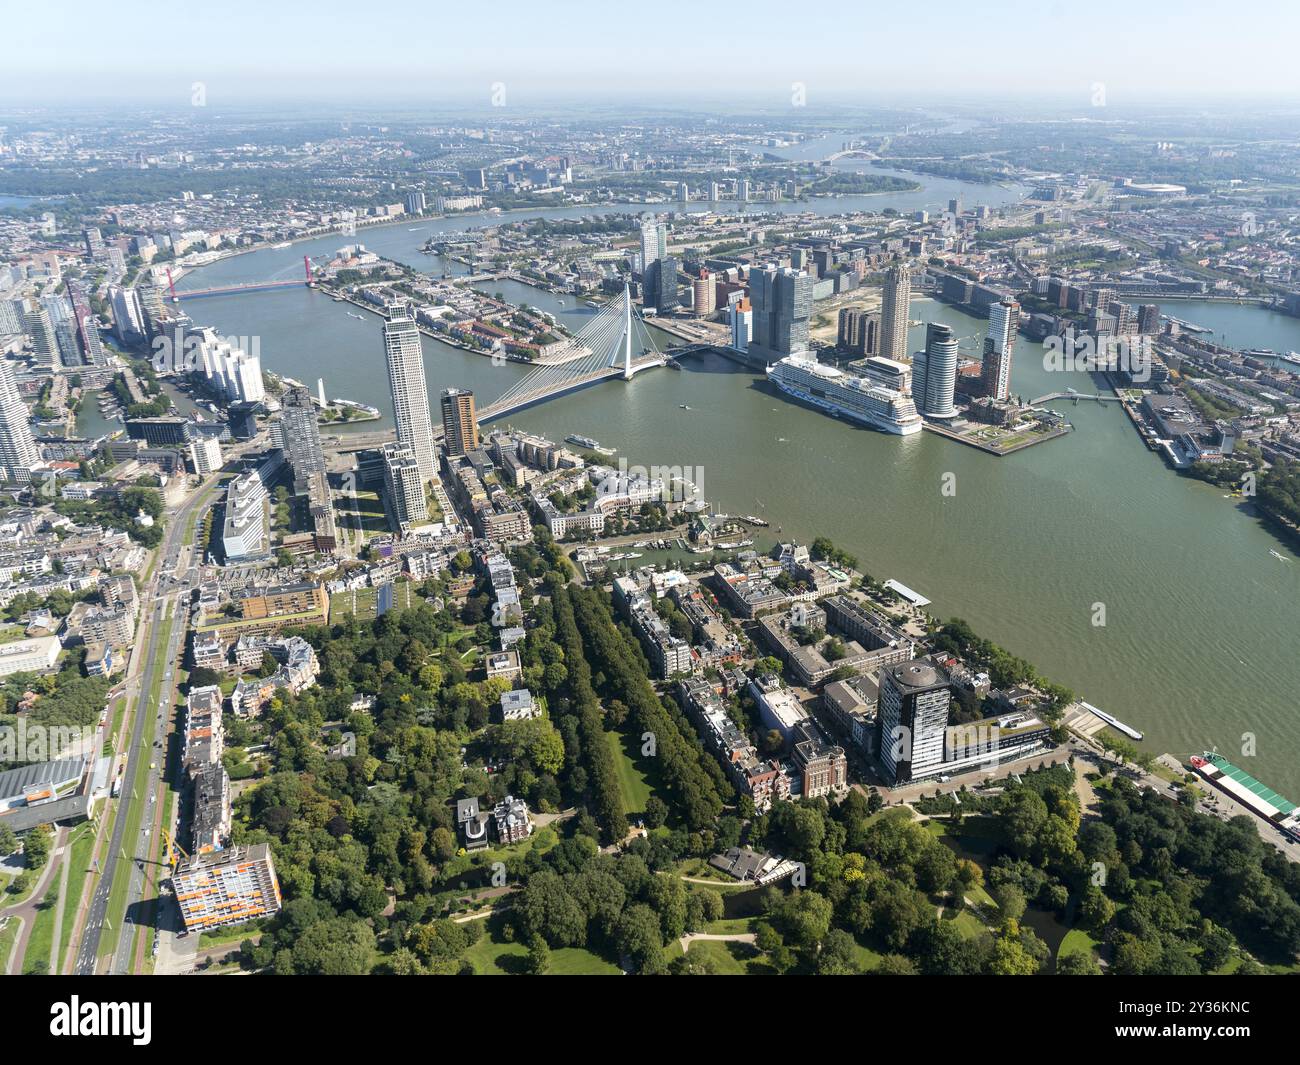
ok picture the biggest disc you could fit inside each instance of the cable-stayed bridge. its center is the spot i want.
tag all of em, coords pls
(615, 343)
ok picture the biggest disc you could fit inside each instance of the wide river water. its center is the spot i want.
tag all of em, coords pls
(1199, 646)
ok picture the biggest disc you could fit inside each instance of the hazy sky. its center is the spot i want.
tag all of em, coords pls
(854, 51)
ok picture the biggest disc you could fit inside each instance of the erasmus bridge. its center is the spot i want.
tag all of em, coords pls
(615, 343)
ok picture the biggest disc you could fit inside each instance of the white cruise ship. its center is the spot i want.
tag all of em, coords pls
(839, 392)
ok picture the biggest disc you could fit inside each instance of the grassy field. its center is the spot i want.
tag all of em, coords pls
(1078, 941)
(461, 643)
(82, 843)
(110, 735)
(632, 782)
(730, 926)
(8, 934)
(230, 934)
(728, 958)
(491, 956)
(37, 957)
(965, 922)
(541, 841)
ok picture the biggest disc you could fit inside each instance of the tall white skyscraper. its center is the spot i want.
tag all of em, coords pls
(232, 371)
(999, 346)
(934, 373)
(410, 394)
(893, 313)
(654, 242)
(128, 314)
(18, 452)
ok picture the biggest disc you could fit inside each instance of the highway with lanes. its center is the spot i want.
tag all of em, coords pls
(171, 576)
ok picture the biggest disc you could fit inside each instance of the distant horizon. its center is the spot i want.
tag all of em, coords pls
(1016, 51)
(462, 103)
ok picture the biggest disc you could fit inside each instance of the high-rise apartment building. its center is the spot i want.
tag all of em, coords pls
(782, 305)
(704, 292)
(459, 422)
(654, 242)
(226, 887)
(94, 241)
(999, 347)
(205, 455)
(1126, 318)
(742, 324)
(229, 370)
(912, 719)
(934, 373)
(154, 307)
(88, 331)
(128, 315)
(859, 332)
(65, 337)
(302, 445)
(18, 452)
(654, 249)
(405, 357)
(405, 499)
(11, 316)
(45, 346)
(893, 313)
(660, 284)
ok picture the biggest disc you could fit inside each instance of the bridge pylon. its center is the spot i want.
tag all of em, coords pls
(627, 332)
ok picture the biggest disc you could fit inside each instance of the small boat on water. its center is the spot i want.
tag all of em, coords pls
(683, 406)
(1278, 555)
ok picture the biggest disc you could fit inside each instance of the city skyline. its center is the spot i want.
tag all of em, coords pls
(795, 578)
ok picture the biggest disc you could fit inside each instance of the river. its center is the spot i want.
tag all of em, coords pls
(1198, 648)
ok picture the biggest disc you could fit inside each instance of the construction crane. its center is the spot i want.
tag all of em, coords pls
(172, 848)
